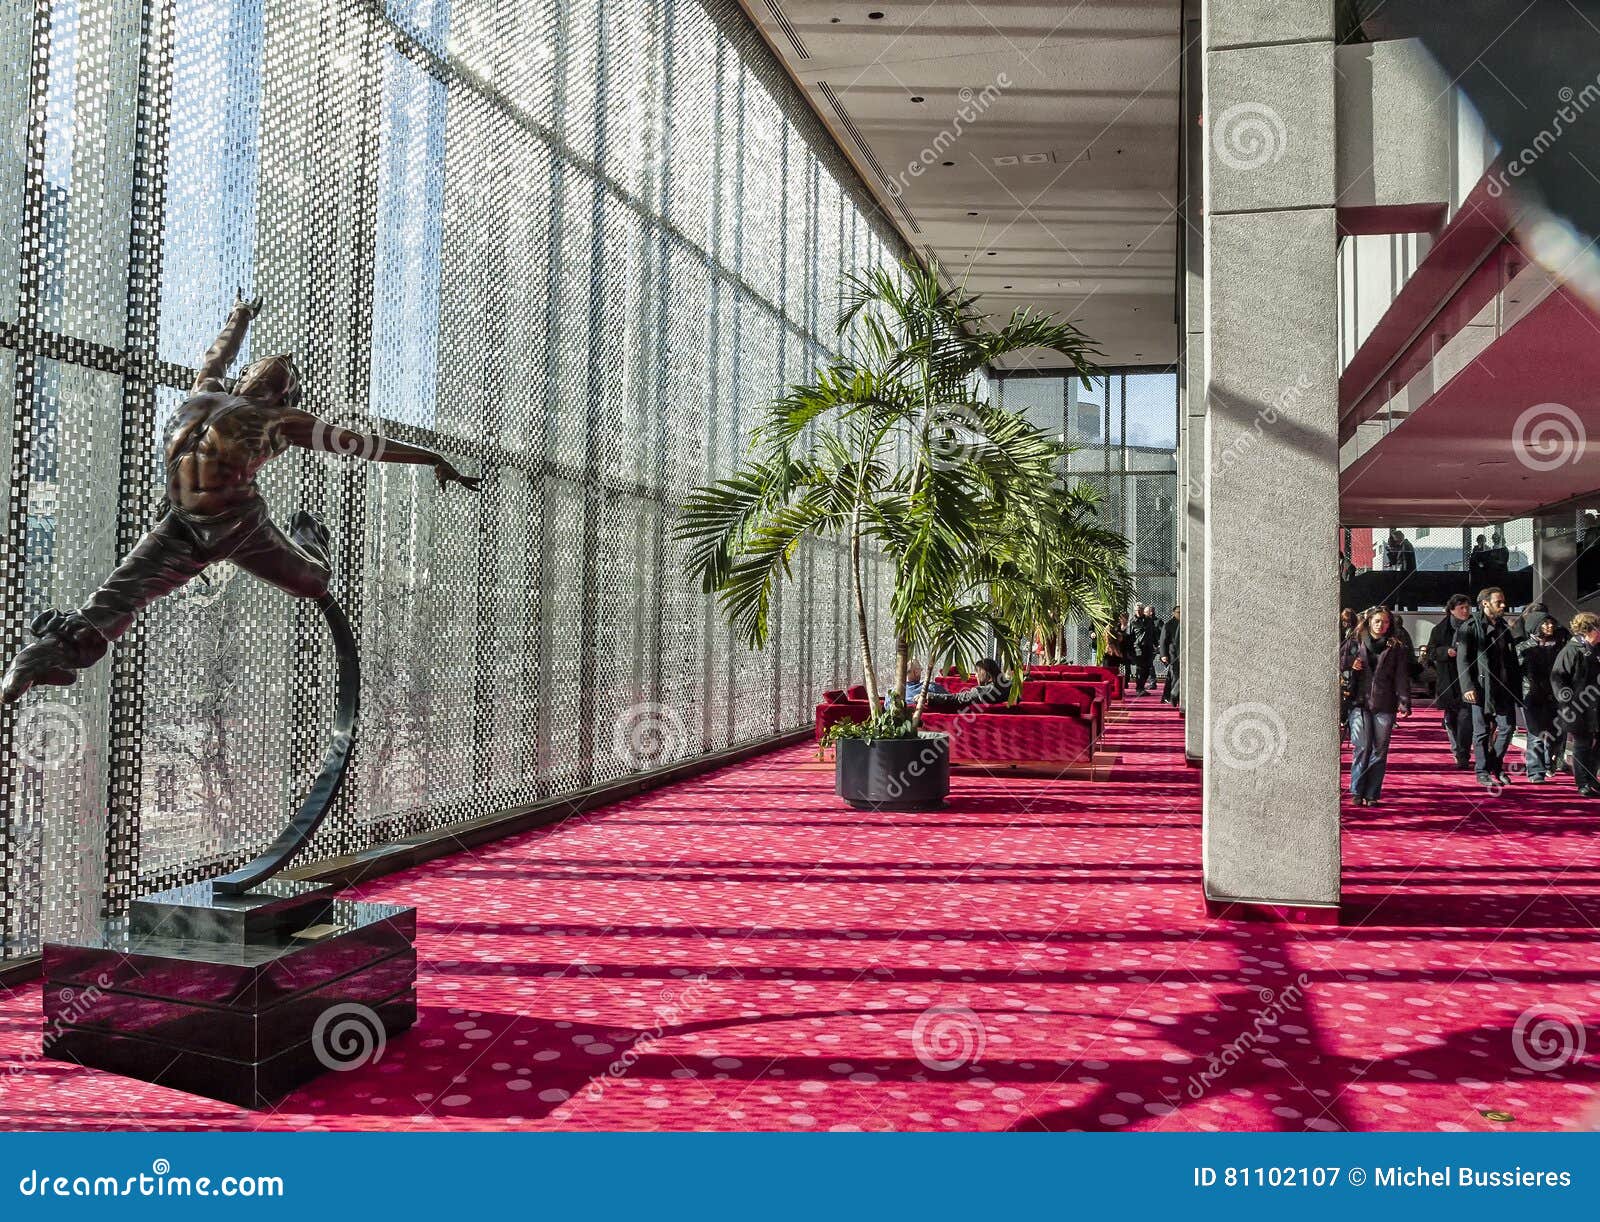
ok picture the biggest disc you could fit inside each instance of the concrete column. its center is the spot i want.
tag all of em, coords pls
(1271, 786)
(1555, 564)
(1192, 392)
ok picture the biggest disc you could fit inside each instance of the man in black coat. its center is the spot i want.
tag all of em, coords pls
(1442, 654)
(1491, 682)
(1575, 678)
(1146, 636)
(1170, 643)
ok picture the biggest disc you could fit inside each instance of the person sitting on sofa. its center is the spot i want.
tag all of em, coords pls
(914, 682)
(988, 690)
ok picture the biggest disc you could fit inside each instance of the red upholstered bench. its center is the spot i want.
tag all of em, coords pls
(1005, 735)
(1072, 671)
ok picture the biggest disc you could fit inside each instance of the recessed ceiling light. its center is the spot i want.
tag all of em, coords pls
(918, 99)
(1006, 286)
(875, 16)
(972, 214)
(949, 163)
(988, 252)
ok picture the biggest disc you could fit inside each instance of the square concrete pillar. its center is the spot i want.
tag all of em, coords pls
(1247, 23)
(1272, 485)
(1555, 565)
(1192, 591)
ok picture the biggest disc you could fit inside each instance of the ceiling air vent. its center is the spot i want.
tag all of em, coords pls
(865, 150)
(1011, 159)
(788, 29)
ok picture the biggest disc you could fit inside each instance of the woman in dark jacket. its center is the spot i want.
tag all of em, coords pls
(1447, 679)
(1376, 671)
(1575, 679)
(1538, 654)
(1113, 652)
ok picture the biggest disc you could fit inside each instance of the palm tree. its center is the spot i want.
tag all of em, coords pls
(1064, 567)
(889, 444)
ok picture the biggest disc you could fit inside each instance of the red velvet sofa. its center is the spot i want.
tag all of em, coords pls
(1060, 729)
(1067, 671)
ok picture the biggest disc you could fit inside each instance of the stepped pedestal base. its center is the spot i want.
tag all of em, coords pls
(237, 998)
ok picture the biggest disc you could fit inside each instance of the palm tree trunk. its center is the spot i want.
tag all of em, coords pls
(902, 660)
(870, 677)
(922, 696)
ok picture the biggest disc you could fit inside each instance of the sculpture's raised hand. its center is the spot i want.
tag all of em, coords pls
(446, 474)
(250, 305)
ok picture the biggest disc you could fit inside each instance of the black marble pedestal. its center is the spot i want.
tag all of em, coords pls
(237, 998)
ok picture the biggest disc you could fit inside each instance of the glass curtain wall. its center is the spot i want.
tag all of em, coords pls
(573, 245)
(1123, 428)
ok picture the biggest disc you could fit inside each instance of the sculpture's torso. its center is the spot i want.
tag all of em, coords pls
(223, 441)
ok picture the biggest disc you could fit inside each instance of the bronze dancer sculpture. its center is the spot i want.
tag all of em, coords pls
(215, 444)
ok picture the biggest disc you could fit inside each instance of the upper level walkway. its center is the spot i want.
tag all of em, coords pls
(741, 951)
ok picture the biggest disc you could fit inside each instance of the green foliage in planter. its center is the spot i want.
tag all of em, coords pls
(877, 727)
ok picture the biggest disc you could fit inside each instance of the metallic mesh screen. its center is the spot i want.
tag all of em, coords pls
(1124, 428)
(571, 244)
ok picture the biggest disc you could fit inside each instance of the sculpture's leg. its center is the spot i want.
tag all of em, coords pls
(166, 558)
(299, 566)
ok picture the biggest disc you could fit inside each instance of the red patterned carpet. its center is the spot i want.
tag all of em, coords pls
(742, 952)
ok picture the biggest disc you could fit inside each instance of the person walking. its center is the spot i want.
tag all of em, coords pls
(1377, 683)
(1491, 683)
(1575, 679)
(1447, 679)
(1113, 650)
(1169, 658)
(1146, 637)
(1537, 655)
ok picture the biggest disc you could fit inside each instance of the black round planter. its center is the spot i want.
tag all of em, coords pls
(893, 773)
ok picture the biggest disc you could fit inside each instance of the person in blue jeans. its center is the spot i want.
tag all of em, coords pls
(1376, 670)
(1491, 684)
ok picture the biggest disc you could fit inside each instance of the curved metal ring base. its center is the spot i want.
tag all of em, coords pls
(334, 765)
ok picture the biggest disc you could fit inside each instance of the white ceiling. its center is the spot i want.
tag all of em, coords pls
(1091, 232)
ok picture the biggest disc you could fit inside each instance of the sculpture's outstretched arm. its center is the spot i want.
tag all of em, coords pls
(307, 431)
(214, 365)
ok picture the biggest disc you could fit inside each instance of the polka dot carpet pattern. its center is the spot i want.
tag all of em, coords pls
(743, 952)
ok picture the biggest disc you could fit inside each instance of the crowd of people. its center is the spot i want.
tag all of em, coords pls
(1485, 667)
(1134, 644)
